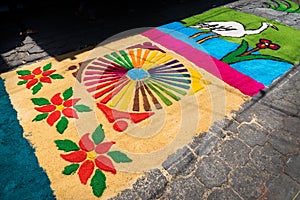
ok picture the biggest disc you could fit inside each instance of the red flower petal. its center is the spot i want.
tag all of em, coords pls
(31, 83)
(56, 99)
(76, 156)
(86, 143)
(104, 163)
(261, 46)
(26, 77)
(45, 79)
(71, 102)
(265, 41)
(70, 113)
(47, 73)
(103, 147)
(46, 108)
(53, 117)
(37, 71)
(85, 171)
(274, 46)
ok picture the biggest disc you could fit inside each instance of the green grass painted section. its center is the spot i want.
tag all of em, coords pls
(287, 37)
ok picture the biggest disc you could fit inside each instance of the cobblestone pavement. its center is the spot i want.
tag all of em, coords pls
(253, 155)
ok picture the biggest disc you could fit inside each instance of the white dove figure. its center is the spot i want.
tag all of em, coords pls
(229, 29)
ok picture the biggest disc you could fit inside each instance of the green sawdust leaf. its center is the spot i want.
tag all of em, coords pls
(82, 108)
(40, 117)
(40, 101)
(66, 145)
(37, 88)
(98, 135)
(293, 7)
(22, 82)
(47, 67)
(98, 183)
(23, 72)
(62, 125)
(70, 169)
(68, 93)
(56, 76)
(119, 157)
(231, 57)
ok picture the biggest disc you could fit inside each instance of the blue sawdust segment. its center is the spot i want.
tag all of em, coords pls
(21, 177)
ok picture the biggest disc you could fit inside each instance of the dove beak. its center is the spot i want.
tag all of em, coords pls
(275, 27)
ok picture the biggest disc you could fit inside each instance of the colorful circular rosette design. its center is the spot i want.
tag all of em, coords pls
(134, 83)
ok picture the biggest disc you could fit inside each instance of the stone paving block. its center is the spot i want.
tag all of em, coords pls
(151, 185)
(180, 163)
(224, 194)
(25, 47)
(292, 125)
(269, 118)
(248, 182)
(266, 158)
(286, 97)
(27, 40)
(293, 167)
(284, 142)
(212, 171)
(185, 189)
(283, 188)
(34, 57)
(125, 195)
(233, 127)
(204, 143)
(218, 130)
(252, 134)
(234, 152)
(35, 49)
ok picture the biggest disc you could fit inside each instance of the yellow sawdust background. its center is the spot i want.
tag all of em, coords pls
(170, 129)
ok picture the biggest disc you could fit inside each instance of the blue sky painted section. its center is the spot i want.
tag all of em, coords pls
(264, 71)
(21, 177)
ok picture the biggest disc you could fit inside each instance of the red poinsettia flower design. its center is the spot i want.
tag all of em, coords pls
(59, 107)
(264, 44)
(90, 155)
(37, 75)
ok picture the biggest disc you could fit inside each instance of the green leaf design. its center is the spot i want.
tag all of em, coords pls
(293, 7)
(40, 101)
(70, 169)
(23, 72)
(98, 135)
(98, 183)
(47, 67)
(22, 82)
(40, 117)
(37, 88)
(56, 76)
(66, 145)
(62, 125)
(119, 157)
(232, 55)
(68, 93)
(82, 108)
(281, 6)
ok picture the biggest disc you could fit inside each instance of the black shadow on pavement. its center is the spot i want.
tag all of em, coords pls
(62, 28)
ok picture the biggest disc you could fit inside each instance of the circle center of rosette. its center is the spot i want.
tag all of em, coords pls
(137, 74)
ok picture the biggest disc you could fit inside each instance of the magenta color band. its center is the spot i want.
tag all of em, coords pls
(223, 71)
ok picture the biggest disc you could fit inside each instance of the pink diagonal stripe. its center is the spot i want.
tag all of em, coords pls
(223, 71)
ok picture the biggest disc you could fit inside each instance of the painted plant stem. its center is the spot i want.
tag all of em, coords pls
(250, 52)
